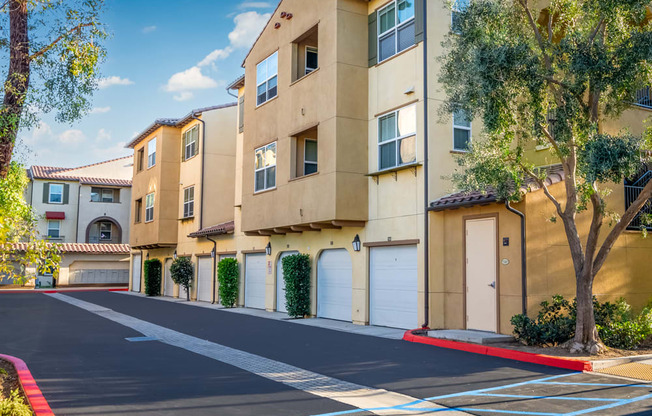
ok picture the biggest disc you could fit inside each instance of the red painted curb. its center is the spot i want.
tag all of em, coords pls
(63, 290)
(529, 357)
(33, 393)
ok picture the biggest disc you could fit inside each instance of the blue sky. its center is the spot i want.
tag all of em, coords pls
(164, 58)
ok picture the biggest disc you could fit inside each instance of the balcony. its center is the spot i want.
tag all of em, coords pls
(633, 189)
(643, 98)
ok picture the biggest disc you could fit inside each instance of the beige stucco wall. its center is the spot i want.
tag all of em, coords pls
(68, 226)
(90, 211)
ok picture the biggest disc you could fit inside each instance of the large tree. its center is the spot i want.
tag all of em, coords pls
(50, 51)
(552, 73)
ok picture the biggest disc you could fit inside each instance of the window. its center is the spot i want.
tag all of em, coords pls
(241, 114)
(56, 193)
(310, 157)
(138, 207)
(266, 79)
(265, 167)
(54, 229)
(105, 230)
(149, 208)
(189, 202)
(190, 142)
(103, 195)
(140, 159)
(458, 7)
(396, 28)
(151, 153)
(461, 131)
(397, 138)
(312, 59)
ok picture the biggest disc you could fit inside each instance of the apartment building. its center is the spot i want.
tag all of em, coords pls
(183, 204)
(86, 209)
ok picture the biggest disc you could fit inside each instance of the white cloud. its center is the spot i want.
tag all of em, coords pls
(103, 136)
(217, 54)
(72, 136)
(113, 80)
(149, 29)
(100, 110)
(248, 26)
(255, 5)
(184, 96)
(189, 80)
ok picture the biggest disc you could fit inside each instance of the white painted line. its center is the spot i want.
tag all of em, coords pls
(355, 395)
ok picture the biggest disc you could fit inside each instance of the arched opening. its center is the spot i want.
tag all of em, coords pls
(104, 230)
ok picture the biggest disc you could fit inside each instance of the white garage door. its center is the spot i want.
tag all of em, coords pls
(135, 273)
(334, 285)
(280, 282)
(255, 280)
(393, 287)
(205, 279)
(168, 288)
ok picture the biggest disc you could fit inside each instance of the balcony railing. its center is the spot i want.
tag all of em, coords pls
(643, 98)
(632, 192)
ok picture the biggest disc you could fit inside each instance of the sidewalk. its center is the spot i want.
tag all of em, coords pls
(369, 330)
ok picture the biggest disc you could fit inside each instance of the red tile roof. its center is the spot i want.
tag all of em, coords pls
(86, 248)
(224, 228)
(61, 174)
(555, 174)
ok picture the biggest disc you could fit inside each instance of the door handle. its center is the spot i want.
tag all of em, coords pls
(492, 284)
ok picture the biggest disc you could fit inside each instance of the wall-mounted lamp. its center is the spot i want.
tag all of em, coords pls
(174, 255)
(147, 256)
(268, 249)
(356, 243)
(213, 253)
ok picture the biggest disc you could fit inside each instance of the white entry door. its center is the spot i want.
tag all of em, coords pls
(255, 280)
(393, 287)
(280, 282)
(481, 274)
(135, 273)
(168, 285)
(205, 279)
(334, 285)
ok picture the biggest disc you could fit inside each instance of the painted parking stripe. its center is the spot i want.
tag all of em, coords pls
(382, 401)
(598, 384)
(609, 406)
(520, 396)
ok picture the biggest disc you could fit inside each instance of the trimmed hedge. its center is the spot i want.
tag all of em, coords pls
(228, 273)
(153, 277)
(181, 272)
(296, 273)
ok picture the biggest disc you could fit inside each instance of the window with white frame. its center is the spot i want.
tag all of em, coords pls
(267, 79)
(458, 7)
(149, 207)
(396, 28)
(309, 156)
(265, 167)
(55, 195)
(312, 59)
(54, 229)
(397, 144)
(189, 202)
(103, 195)
(461, 131)
(106, 229)
(190, 142)
(151, 153)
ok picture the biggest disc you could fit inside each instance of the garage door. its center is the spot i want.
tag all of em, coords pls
(255, 280)
(393, 287)
(205, 279)
(334, 281)
(135, 273)
(168, 285)
(280, 282)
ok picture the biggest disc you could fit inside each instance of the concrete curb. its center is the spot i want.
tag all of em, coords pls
(612, 362)
(547, 360)
(39, 405)
(63, 290)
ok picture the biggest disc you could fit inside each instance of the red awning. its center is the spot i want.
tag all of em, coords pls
(55, 215)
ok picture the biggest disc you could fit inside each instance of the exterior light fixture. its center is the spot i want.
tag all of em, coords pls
(213, 253)
(147, 256)
(174, 255)
(356, 243)
(268, 249)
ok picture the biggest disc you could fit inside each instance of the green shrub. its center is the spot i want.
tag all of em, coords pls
(296, 274)
(617, 326)
(181, 272)
(14, 406)
(153, 277)
(227, 274)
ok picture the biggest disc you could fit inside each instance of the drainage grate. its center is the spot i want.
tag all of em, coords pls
(141, 339)
(632, 370)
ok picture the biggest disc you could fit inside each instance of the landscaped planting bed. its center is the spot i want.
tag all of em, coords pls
(12, 404)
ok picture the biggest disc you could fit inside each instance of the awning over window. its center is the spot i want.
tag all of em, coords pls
(55, 215)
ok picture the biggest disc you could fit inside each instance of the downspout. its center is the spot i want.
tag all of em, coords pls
(228, 91)
(139, 272)
(214, 264)
(203, 156)
(523, 257)
(426, 268)
(77, 225)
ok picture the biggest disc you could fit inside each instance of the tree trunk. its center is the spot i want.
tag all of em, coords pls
(17, 82)
(586, 334)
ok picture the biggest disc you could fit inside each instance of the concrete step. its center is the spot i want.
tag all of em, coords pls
(476, 337)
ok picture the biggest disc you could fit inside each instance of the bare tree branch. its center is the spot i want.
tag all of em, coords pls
(537, 34)
(594, 230)
(58, 39)
(543, 186)
(596, 30)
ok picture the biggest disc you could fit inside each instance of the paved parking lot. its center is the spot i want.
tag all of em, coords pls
(112, 353)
